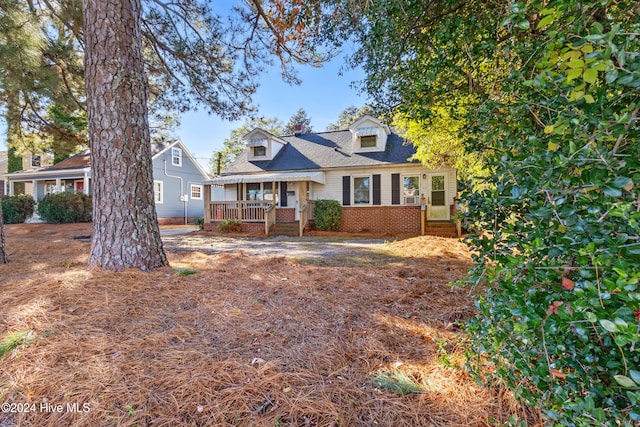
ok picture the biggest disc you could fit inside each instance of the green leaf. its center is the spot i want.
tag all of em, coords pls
(635, 376)
(622, 181)
(574, 73)
(611, 191)
(575, 63)
(591, 317)
(608, 325)
(523, 25)
(611, 76)
(590, 75)
(545, 21)
(624, 381)
(589, 99)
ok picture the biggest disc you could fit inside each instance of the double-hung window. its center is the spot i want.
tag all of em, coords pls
(176, 156)
(362, 190)
(411, 189)
(157, 191)
(196, 192)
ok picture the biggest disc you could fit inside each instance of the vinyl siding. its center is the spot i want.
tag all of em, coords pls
(172, 207)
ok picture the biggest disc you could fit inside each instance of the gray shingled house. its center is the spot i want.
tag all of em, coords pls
(177, 180)
(366, 168)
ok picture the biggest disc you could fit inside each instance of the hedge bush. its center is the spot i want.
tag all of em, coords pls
(327, 214)
(65, 207)
(16, 209)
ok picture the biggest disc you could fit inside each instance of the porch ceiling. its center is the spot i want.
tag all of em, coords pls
(268, 177)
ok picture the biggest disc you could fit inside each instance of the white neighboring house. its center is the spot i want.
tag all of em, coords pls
(178, 180)
(366, 168)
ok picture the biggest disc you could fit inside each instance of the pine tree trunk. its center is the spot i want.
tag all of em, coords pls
(3, 253)
(126, 232)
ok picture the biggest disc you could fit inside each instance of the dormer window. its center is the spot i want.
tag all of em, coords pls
(36, 161)
(369, 135)
(176, 157)
(368, 141)
(259, 151)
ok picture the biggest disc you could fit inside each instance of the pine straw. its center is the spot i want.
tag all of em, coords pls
(244, 342)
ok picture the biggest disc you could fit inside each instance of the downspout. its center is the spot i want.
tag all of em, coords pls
(182, 195)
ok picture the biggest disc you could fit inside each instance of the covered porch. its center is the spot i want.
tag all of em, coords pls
(260, 201)
(40, 183)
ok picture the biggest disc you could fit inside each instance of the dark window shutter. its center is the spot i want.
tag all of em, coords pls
(395, 188)
(346, 190)
(377, 198)
(283, 194)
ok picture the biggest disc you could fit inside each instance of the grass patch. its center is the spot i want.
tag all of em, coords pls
(185, 271)
(396, 382)
(14, 339)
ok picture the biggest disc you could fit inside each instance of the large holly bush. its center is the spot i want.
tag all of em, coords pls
(558, 231)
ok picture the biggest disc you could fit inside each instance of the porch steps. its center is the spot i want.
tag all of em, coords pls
(285, 229)
(441, 229)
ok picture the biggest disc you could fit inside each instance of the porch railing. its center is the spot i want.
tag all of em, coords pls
(269, 218)
(243, 210)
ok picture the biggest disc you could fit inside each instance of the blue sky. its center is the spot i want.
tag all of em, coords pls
(323, 94)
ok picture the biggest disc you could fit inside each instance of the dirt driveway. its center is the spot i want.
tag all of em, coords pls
(312, 247)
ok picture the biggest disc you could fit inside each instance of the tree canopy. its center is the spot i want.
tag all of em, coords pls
(299, 121)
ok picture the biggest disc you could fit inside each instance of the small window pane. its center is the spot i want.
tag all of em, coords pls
(361, 190)
(196, 192)
(176, 156)
(368, 141)
(259, 151)
(253, 191)
(411, 186)
(437, 183)
(437, 198)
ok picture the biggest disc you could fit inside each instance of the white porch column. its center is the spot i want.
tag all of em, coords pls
(9, 188)
(58, 184)
(34, 190)
(85, 183)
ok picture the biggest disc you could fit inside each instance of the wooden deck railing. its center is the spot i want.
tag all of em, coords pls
(269, 218)
(243, 210)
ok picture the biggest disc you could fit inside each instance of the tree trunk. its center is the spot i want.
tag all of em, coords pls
(126, 232)
(3, 253)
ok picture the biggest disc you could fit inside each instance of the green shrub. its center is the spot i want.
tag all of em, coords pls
(65, 207)
(229, 226)
(327, 214)
(16, 209)
(199, 221)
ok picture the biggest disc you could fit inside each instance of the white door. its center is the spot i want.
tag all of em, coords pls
(437, 197)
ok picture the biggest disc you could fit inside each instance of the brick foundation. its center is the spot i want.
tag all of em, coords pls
(381, 220)
(175, 221)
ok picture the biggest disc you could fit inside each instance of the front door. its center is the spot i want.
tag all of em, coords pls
(437, 197)
(79, 186)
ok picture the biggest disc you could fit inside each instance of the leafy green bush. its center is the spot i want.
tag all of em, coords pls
(557, 234)
(16, 209)
(65, 207)
(327, 214)
(229, 226)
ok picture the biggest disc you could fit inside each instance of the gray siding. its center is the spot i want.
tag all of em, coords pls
(172, 207)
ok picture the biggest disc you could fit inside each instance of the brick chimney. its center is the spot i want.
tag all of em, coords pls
(298, 129)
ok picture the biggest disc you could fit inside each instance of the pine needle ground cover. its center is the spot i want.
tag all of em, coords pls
(240, 341)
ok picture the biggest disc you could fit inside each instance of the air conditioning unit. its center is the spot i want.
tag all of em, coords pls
(412, 200)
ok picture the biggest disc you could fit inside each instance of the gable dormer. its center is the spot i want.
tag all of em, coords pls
(369, 134)
(262, 145)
